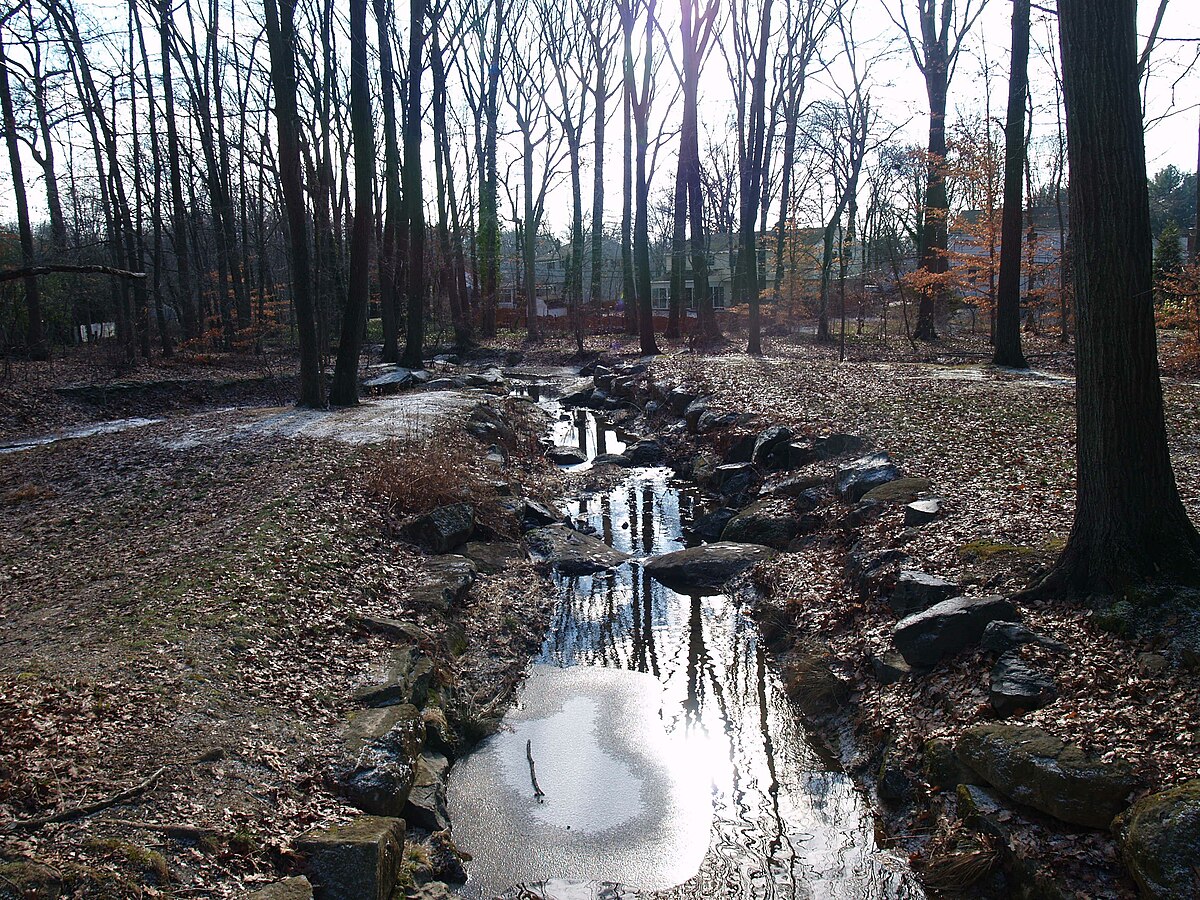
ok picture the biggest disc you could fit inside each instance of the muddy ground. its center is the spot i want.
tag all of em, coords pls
(180, 609)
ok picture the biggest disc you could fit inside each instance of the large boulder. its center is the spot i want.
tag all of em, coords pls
(1160, 841)
(855, 478)
(571, 552)
(706, 567)
(442, 529)
(916, 591)
(445, 581)
(767, 441)
(1015, 686)
(770, 522)
(1032, 766)
(376, 771)
(426, 807)
(566, 455)
(645, 453)
(710, 526)
(948, 627)
(390, 381)
(899, 490)
(357, 861)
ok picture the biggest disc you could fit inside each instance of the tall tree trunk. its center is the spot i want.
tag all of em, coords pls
(414, 338)
(1130, 525)
(678, 249)
(1008, 298)
(641, 233)
(344, 390)
(281, 35)
(933, 259)
(389, 284)
(628, 281)
(594, 294)
(179, 217)
(489, 217)
(35, 338)
(160, 316)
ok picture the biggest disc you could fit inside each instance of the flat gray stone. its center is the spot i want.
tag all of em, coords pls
(1032, 766)
(1016, 686)
(948, 627)
(298, 888)
(393, 380)
(916, 591)
(705, 567)
(856, 478)
(357, 861)
(571, 552)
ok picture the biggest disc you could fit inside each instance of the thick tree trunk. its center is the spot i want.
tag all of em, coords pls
(489, 220)
(1130, 525)
(937, 203)
(628, 281)
(595, 293)
(344, 390)
(641, 233)
(389, 284)
(1008, 300)
(35, 339)
(281, 36)
(179, 218)
(678, 251)
(414, 342)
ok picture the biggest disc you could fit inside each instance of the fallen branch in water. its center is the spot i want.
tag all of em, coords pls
(86, 809)
(537, 791)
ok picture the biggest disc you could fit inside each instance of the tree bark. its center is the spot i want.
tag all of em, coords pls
(389, 284)
(281, 36)
(1008, 297)
(344, 390)
(414, 341)
(35, 339)
(1130, 525)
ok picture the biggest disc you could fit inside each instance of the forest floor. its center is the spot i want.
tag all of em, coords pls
(191, 603)
(998, 446)
(180, 608)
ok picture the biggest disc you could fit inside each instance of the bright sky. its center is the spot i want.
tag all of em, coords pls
(1173, 110)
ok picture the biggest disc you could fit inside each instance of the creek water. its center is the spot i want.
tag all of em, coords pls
(658, 734)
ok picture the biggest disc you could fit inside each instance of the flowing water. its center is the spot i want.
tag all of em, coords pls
(657, 732)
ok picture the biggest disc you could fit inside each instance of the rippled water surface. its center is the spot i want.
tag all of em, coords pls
(669, 760)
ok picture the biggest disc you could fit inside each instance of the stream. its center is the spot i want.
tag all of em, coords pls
(657, 730)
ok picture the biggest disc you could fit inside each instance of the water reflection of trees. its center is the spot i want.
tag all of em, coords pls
(780, 826)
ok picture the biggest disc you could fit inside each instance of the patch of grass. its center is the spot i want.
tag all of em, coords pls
(985, 549)
(149, 863)
(29, 493)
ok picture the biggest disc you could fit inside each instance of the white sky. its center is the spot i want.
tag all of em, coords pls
(1173, 102)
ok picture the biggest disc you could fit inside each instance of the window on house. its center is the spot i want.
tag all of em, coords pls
(689, 297)
(659, 297)
(718, 296)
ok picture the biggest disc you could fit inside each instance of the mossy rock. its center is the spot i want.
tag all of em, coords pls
(902, 490)
(1032, 766)
(1160, 842)
(942, 767)
(984, 549)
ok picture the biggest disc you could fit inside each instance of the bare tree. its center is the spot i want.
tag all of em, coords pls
(935, 43)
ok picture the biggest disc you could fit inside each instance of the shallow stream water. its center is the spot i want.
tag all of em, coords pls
(657, 731)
